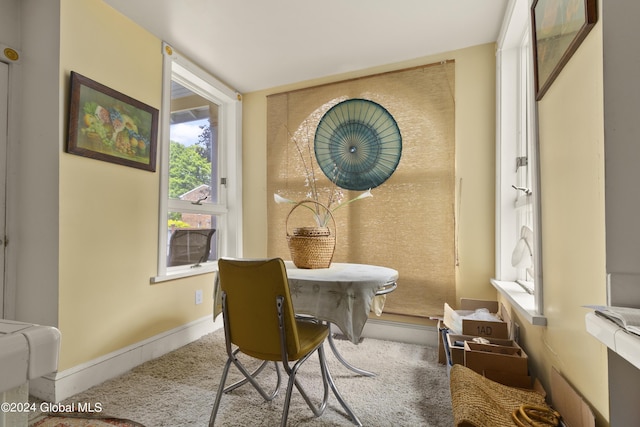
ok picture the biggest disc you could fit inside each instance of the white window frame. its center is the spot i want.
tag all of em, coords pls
(229, 207)
(516, 117)
(4, 115)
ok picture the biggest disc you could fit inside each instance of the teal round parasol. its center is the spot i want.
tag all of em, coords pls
(358, 144)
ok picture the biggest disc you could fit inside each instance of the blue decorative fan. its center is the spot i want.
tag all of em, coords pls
(358, 144)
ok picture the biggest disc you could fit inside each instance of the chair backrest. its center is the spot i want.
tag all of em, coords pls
(251, 288)
(190, 246)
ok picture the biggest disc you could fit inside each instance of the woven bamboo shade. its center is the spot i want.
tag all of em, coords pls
(408, 225)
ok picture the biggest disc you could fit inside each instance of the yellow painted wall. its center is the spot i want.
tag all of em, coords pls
(475, 162)
(475, 171)
(573, 226)
(109, 213)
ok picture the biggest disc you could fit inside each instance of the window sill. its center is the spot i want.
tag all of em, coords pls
(520, 300)
(187, 271)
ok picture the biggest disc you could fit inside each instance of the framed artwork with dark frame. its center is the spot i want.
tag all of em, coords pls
(107, 125)
(559, 26)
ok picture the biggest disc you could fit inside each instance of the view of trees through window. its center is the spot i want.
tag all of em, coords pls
(193, 156)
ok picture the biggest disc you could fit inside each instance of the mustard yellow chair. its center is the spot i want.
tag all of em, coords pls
(259, 321)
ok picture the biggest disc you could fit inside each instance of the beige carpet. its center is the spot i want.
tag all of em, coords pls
(178, 389)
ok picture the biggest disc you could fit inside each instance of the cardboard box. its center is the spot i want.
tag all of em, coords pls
(492, 357)
(500, 328)
(575, 411)
(455, 346)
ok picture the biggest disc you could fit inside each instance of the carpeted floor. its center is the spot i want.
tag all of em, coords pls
(178, 389)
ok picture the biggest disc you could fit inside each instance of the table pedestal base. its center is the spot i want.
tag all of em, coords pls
(345, 363)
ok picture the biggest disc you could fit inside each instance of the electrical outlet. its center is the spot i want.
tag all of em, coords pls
(199, 296)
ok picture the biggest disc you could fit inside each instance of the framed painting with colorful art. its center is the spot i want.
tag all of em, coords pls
(107, 125)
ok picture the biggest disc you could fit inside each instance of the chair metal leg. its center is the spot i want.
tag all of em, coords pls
(292, 371)
(249, 378)
(267, 397)
(253, 374)
(344, 362)
(216, 404)
(317, 410)
(334, 388)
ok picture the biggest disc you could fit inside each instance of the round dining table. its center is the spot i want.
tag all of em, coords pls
(344, 294)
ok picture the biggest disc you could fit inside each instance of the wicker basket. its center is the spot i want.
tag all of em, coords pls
(480, 402)
(311, 247)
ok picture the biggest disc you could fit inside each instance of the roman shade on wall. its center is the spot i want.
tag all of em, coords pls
(409, 223)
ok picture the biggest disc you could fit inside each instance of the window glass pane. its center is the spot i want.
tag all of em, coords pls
(518, 211)
(186, 233)
(523, 254)
(193, 152)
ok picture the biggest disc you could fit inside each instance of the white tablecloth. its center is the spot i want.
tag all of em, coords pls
(343, 294)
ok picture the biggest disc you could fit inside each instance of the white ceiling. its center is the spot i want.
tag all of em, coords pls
(260, 44)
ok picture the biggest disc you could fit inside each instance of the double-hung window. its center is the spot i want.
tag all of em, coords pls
(200, 200)
(518, 255)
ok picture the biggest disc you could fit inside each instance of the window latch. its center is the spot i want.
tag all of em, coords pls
(521, 161)
(199, 201)
(223, 181)
(525, 190)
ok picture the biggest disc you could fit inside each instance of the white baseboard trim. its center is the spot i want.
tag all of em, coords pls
(61, 385)
(401, 332)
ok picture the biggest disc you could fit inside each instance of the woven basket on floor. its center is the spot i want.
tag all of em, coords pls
(311, 247)
(480, 402)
